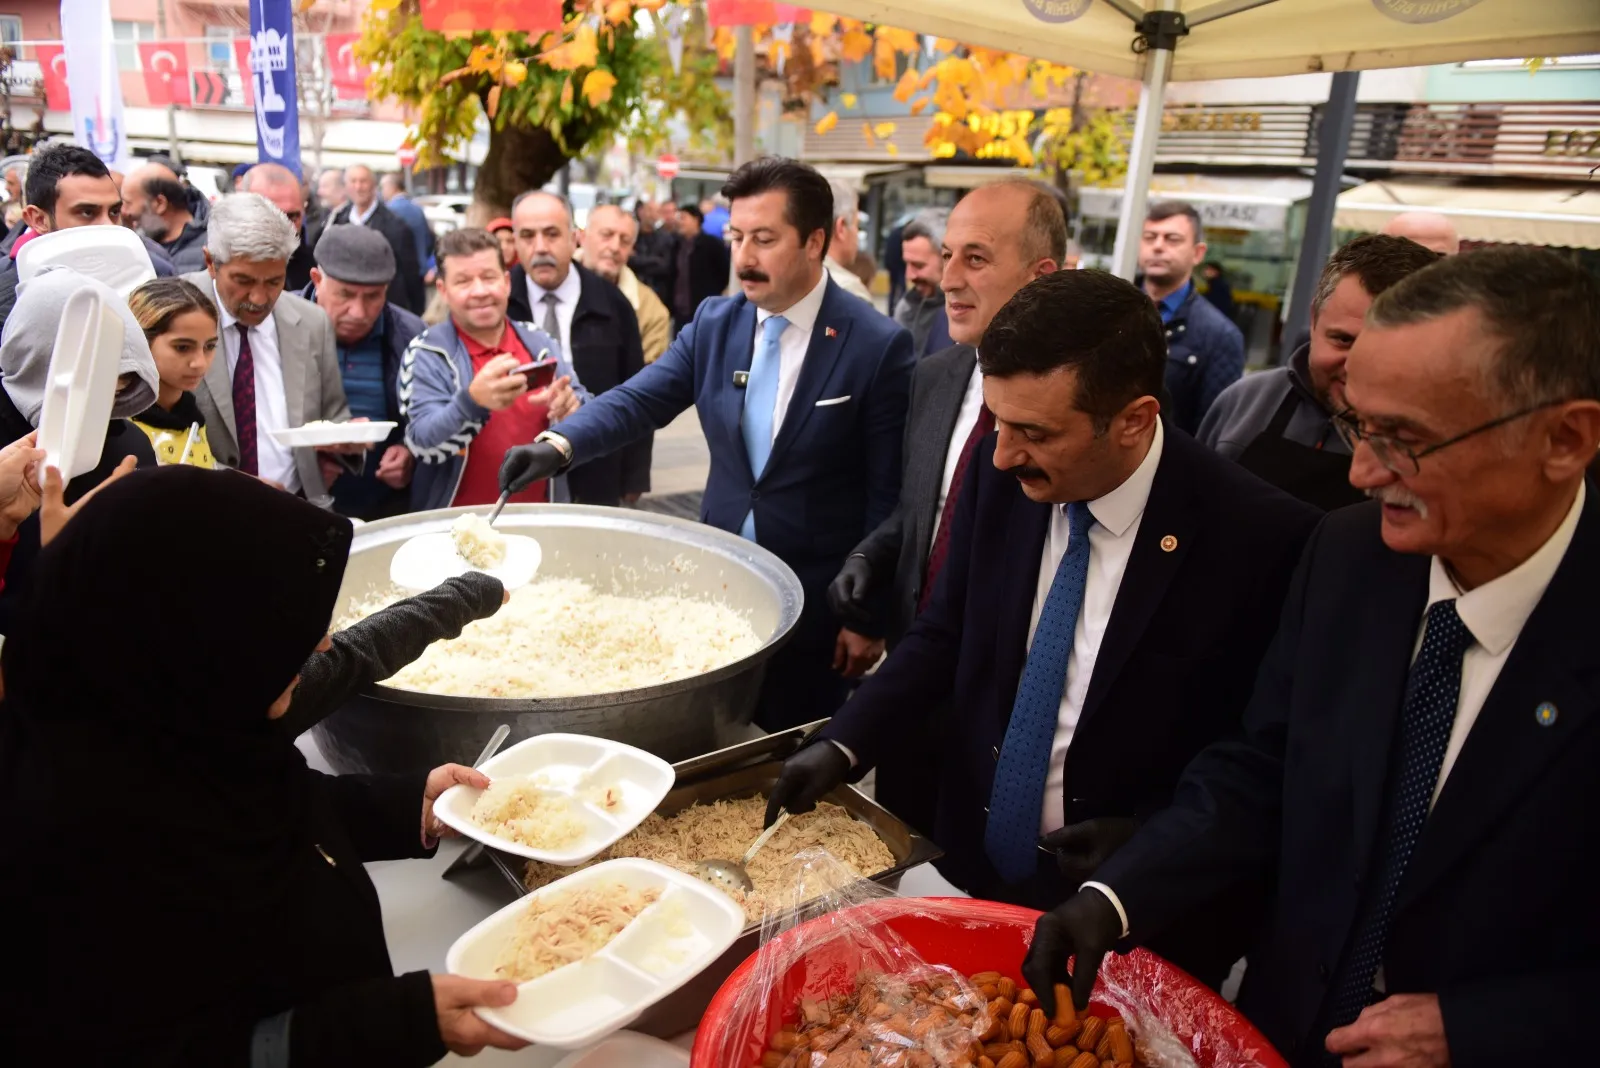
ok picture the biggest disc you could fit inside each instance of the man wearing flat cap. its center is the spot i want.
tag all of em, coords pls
(351, 283)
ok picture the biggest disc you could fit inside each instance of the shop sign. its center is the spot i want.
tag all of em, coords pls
(1420, 11)
(1572, 143)
(1220, 214)
(1057, 11)
(1208, 120)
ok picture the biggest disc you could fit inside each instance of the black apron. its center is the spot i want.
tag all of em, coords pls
(1314, 475)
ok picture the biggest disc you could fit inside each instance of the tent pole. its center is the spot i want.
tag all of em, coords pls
(1160, 30)
(1333, 144)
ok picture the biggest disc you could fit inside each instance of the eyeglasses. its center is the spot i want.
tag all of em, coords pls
(1402, 459)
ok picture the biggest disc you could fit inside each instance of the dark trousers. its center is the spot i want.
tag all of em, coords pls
(800, 684)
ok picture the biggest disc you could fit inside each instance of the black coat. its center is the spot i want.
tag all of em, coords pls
(1173, 674)
(606, 352)
(655, 261)
(708, 264)
(123, 439)
(1496, 906)
(406, 288)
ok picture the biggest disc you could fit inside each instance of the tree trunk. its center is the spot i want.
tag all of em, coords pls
(519, 159)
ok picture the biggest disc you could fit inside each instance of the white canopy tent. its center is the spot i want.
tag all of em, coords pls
(1158, 41)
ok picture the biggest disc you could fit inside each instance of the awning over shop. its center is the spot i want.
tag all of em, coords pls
(1524, 213)
(1227, 202)
(856, 175)
(955, 176)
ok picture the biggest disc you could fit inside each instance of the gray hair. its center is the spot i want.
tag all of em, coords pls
(247, 226)
(846, 201)
(928, 224)
(15, 163)
(1543, 309)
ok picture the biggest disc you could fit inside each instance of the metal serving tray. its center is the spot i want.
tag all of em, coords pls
(740, 771)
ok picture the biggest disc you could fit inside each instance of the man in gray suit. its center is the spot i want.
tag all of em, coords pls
(999, 238)
(281, 368)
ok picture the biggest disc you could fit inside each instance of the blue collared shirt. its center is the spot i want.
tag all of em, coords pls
(1169, 304)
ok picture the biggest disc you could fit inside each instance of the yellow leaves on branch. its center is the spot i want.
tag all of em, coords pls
(884, 130)
(848, 100)
(907, 86)
(583, 50)
(619, 11)
(597, 86)
(827, 123)
(856, 44)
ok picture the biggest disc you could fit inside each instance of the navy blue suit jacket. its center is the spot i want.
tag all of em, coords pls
(834, 472)
(1496, 907)
(1192, 619)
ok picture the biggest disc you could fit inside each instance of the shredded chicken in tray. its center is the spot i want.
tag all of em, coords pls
(565, 927)
(725, 829)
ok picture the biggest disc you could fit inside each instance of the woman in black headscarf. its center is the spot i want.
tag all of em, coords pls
(180, 888)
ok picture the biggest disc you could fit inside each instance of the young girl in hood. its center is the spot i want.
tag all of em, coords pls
(180, 323)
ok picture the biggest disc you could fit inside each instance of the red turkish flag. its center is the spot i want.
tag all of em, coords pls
(166, 72)
(790, 13)
(349, 73)
(741, 12)
(241, 54)
(465, 16)
(53, 72)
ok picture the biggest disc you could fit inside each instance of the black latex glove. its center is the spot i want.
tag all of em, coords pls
(527, 464)
(1080, 848)
(806, 776)
(847, 593)
(1087, 926)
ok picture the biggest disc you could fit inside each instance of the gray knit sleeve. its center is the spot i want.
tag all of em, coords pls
(385, 642)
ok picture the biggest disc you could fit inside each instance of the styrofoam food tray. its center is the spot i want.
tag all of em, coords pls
(305, 437)
(673, 940)
(570, 765)
(628, 1049)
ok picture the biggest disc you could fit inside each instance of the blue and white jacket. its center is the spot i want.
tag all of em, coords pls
(442, 418)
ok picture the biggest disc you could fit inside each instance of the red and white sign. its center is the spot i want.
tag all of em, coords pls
(349, 73)
(405, 155)
(53, 72)
(667, 166)
(166, 72)
(241, 55)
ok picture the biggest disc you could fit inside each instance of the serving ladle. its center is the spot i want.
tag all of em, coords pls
(426, 560)
(731, 874)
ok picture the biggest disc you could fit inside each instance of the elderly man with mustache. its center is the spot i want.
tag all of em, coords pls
(595, 325)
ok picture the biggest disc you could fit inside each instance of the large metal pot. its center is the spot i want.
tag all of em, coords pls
(392, 730)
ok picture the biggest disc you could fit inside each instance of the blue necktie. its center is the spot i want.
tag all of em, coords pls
(760, 405)
(1432, 691)
(1012, 835)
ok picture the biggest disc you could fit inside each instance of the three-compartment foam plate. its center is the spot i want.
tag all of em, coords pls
(572, 766)
(678, 936)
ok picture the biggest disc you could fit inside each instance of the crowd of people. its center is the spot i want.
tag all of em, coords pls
(1287, 667)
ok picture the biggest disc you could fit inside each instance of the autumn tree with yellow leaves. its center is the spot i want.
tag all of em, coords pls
(548, 97)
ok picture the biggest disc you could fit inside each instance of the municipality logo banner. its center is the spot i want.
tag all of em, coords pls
(272, 72)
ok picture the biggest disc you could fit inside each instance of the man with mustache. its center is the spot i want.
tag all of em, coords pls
(351, 283)
(801, 391)
(1279, 424)
(466, 390)
(1417, 771)
(1109, 588)
(277, 367)
(595, 325)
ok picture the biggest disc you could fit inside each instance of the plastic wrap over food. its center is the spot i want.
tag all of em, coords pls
(822, 951)
(847, 991)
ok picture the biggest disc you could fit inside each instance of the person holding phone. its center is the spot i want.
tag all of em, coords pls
(479, 383)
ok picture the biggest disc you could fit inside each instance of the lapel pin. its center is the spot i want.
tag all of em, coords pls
(741, 379)
(1545, 714)
(1168, 543)
(829, 331)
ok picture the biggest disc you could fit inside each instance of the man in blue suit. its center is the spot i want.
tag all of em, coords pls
(802, 392)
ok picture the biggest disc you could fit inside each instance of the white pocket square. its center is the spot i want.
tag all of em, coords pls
(832, 401)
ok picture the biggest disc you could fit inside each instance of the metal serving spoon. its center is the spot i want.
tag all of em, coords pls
(731, 874)
(470, 856)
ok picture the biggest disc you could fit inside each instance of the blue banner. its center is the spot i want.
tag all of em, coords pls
(272, 70)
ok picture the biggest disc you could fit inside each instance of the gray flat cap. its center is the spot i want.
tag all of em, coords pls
(356, 255)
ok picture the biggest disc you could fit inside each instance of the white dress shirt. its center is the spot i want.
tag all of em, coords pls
(966, 419)
(567, 294)
(1495, 613)
(360, 217)
(1117, 516)
(273, 461)
(792, 345)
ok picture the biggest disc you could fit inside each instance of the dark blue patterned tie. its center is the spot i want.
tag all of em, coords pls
(1432, 691)
(1012, 835)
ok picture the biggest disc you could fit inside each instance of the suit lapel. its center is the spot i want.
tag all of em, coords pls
(1170, 512)
(291, 358)
(741, 339)
(944, 408)
(218, 383)
(829, 335)
(1508, 748)
(1383, 632)
(1030, 522)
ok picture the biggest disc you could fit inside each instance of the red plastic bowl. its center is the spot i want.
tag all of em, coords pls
(974, 936)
